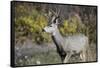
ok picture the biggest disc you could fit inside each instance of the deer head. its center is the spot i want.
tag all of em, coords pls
(53, 24)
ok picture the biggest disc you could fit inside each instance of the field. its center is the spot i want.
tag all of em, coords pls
(34, 54)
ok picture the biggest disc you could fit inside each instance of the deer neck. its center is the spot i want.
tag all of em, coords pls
(58, 38)
(59, 42)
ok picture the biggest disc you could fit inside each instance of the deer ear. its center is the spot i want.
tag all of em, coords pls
(57, 23)
(56, 20)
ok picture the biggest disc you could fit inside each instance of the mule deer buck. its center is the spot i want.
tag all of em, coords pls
(71, 45)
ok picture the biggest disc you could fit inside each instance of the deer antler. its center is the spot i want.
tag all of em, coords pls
(53, 12)
(56, 15)
(58, 12)
(52, 15)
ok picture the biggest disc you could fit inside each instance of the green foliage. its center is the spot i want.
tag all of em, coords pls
(31, 25)
(70, 27)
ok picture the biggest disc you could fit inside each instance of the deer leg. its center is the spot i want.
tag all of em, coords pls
(63, 55)
(67, 57)
(83, 55)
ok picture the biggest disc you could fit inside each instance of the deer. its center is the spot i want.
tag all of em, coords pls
(67, 46)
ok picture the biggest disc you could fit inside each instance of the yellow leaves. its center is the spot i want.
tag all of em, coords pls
(62, 30)
(46, 36)
(37, 28)
(68, 27)
(42, 21)
(30, 23)
(65, 24)
(39, 23)
(72, 27)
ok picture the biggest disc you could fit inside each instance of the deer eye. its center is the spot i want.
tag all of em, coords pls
(50, 25)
